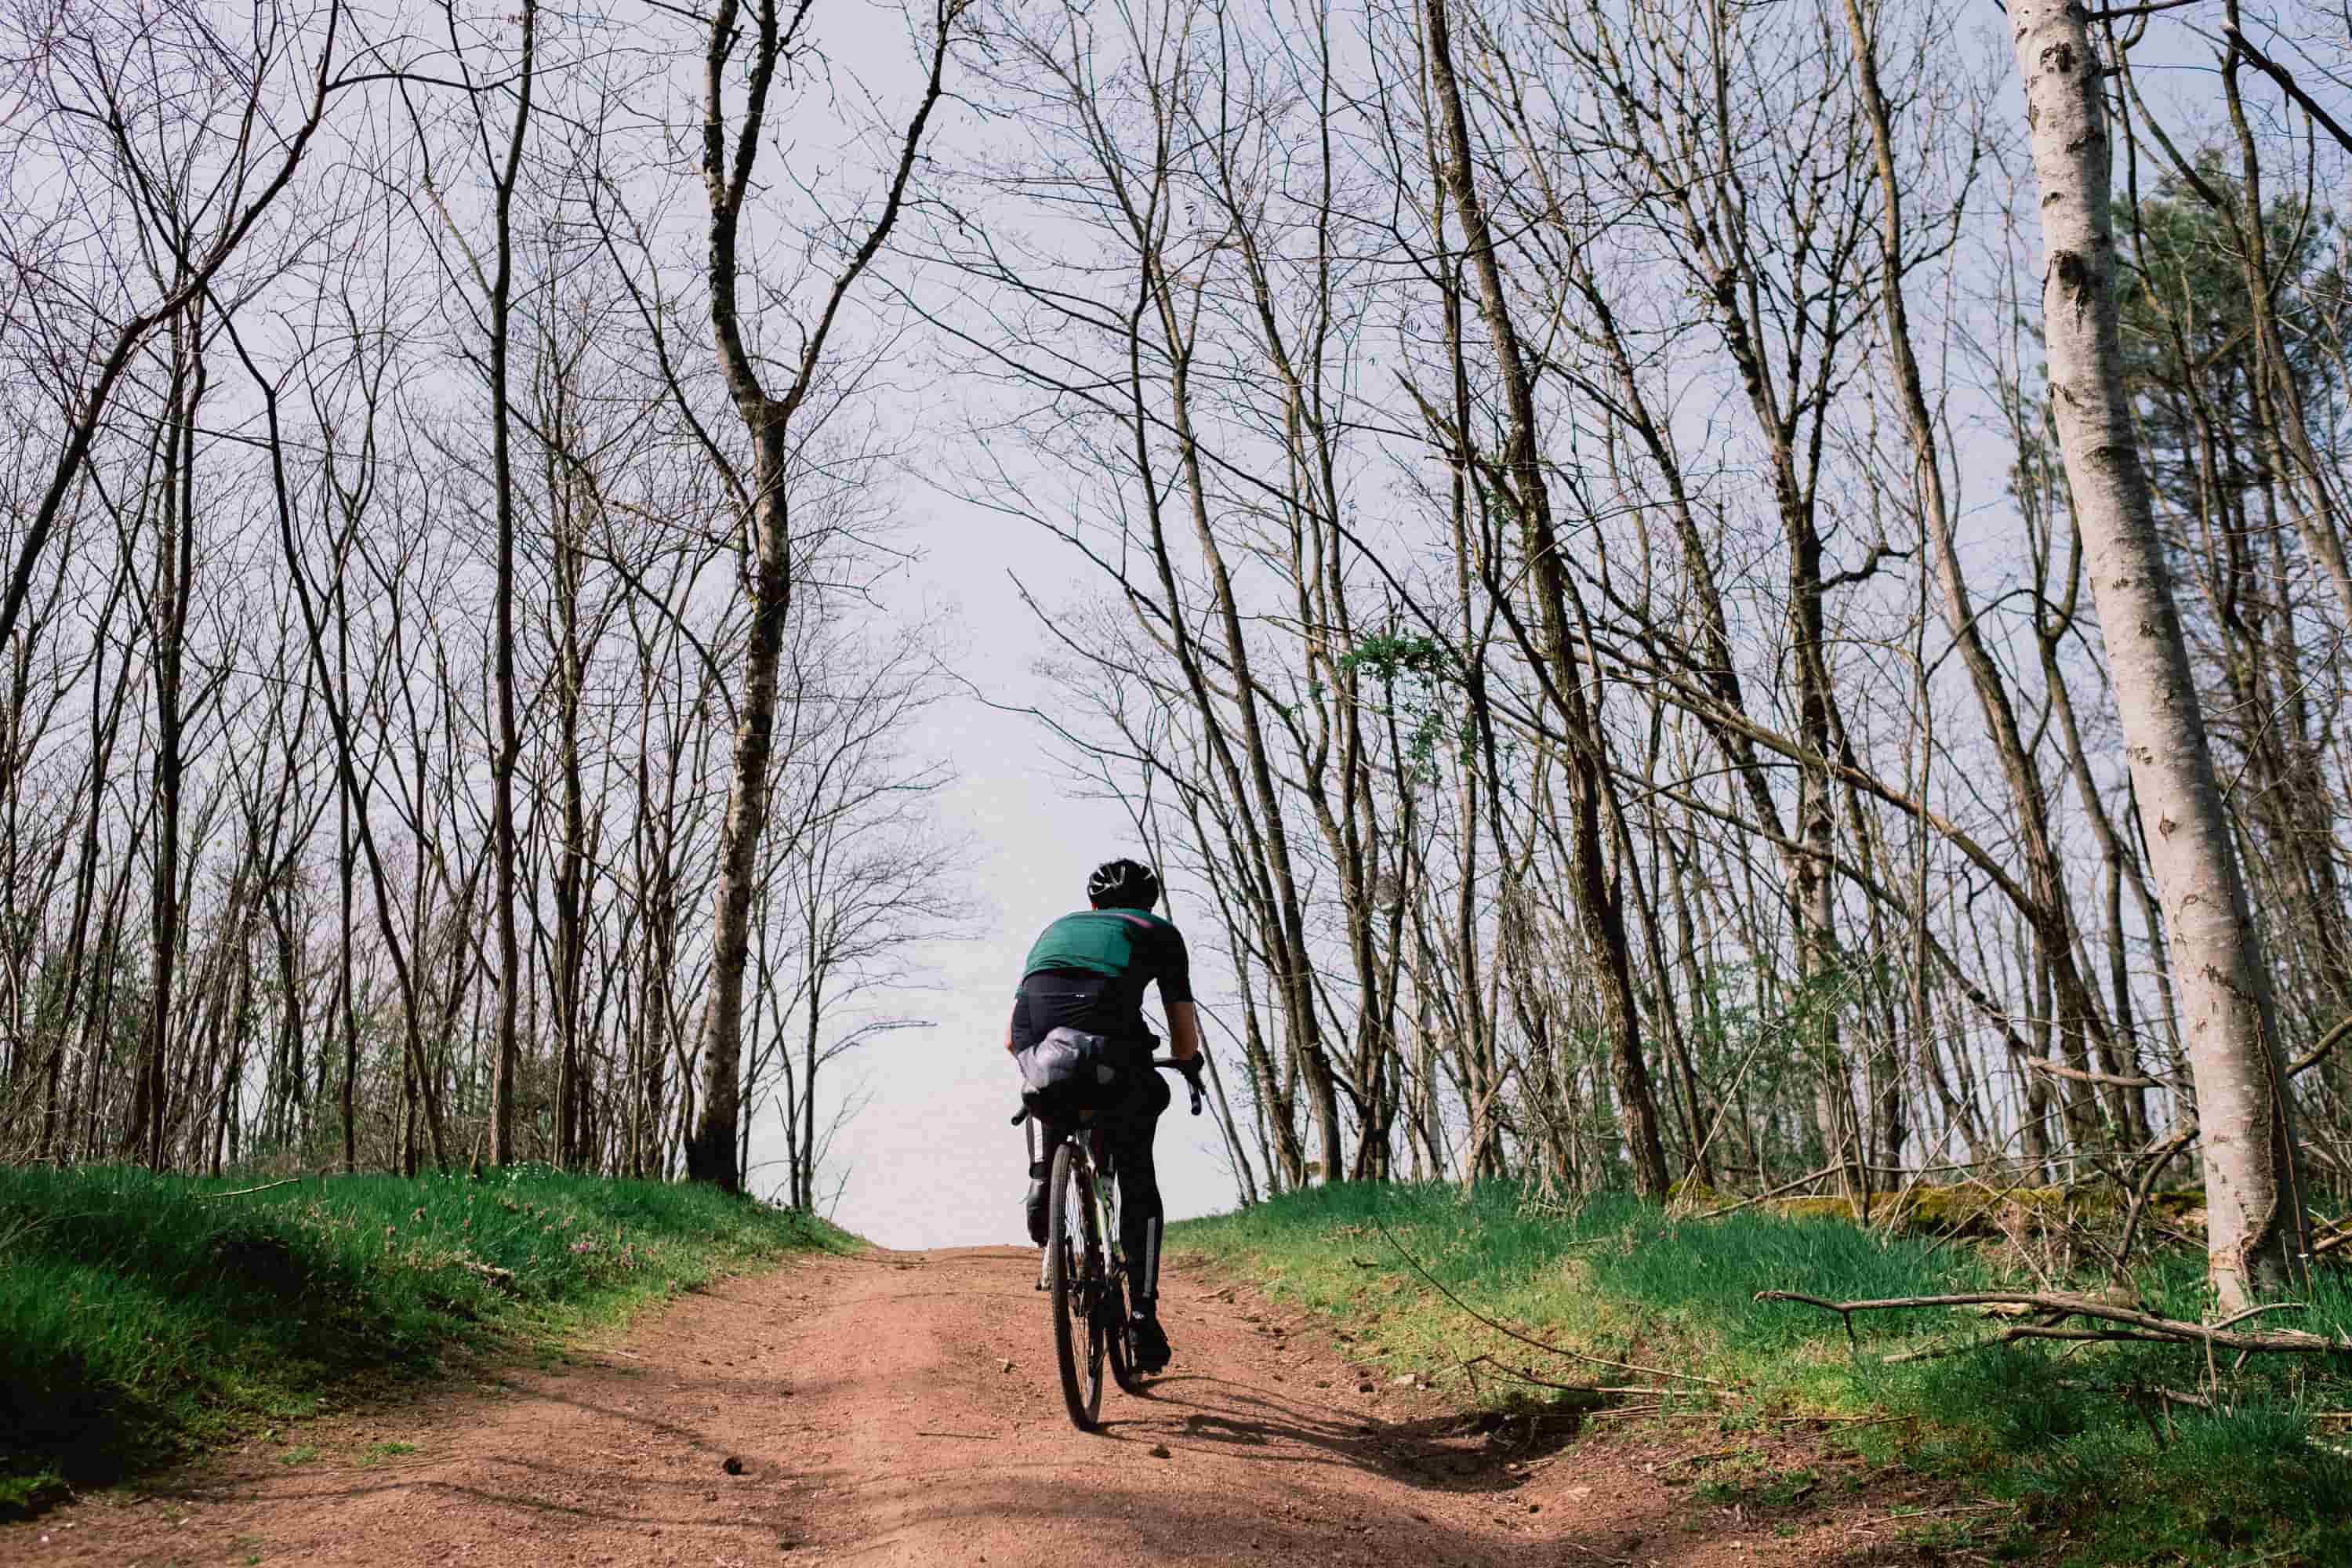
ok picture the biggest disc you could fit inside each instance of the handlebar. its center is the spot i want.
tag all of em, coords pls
(1190, 1070)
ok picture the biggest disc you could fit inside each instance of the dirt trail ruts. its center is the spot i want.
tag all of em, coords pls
(875, 1419)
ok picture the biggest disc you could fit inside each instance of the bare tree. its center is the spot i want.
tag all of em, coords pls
(97, 73)
(2257, 1230)
(778, 41)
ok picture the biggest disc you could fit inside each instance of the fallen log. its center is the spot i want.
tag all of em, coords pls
(2053, 1310)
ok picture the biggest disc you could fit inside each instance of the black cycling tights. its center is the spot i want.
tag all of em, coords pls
(1140, 1212)
(1129, 1134)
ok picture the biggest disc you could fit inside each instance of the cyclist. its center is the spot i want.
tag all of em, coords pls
(1086, 972)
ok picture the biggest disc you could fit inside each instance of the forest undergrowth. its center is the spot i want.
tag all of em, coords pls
(2076, 1454)
(142, 1317)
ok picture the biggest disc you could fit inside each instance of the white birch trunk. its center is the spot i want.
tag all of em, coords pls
(2252, 1200)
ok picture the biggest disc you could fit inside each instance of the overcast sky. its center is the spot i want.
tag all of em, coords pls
(931, 1159)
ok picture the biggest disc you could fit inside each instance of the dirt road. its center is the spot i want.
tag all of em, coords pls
(869, 1408)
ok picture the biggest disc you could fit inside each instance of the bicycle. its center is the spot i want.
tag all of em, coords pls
(1084, 1268)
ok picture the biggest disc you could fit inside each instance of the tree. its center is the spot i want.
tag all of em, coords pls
(93, 73)
(1598, 912)
(2256, 1227)
(777, 41)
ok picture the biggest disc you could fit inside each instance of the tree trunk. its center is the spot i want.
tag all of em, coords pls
(174, 559)
(710, 1152)
(571, 885)
(2253, 1200)
(1600, 916)
(805, 1162)
(509, 1046)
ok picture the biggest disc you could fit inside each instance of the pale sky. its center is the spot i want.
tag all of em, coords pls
(930, 1160)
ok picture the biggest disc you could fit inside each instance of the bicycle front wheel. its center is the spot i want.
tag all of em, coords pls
(1075, 1276)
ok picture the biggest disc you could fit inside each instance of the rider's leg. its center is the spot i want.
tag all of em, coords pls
(1141, 1219)
(1022, 1034)
(1045, 1001)
(1039, 1169)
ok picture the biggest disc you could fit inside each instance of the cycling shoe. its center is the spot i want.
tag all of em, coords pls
(1152, 1350)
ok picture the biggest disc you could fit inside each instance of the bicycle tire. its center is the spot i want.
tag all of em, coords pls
(1070, 1274)
(1122, 1354)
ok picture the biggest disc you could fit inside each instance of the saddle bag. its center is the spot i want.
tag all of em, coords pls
(1069, 1072)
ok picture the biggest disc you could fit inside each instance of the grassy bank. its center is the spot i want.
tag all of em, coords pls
(142, 1316)
(2091, 1463)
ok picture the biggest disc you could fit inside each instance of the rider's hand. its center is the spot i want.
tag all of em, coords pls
(1190, 1068)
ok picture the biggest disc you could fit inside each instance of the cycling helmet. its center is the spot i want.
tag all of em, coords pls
(1123, 885)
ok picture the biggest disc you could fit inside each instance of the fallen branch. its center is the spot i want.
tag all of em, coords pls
(1521, 1374)
(2141, 1327)
(248, 1192)
(2236, 1318)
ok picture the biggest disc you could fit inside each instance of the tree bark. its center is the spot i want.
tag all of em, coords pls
(2256, 1222)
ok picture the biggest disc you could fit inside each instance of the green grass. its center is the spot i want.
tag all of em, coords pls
(2091, 1465)
(142, 1316)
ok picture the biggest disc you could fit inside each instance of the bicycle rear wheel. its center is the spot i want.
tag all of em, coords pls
(1074, 1275)
(1123, 1370)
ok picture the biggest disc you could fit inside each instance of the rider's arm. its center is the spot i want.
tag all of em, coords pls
(1183, 1030)
(1012, 1026)
(1176, 997)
